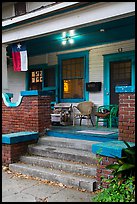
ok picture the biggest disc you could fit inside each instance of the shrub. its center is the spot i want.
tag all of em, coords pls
(122, 184)
(117, 191)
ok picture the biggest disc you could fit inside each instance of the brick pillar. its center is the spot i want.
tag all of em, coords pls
(127, 117)
(33, 114)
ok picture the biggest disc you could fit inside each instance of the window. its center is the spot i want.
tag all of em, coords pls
(121, 72)
(49, 77)
(20, 8)
(36, 80)
(73, 78)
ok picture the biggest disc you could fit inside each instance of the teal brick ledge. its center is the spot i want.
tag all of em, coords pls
(33, 93)
(17, 137)
(110, 149)
(124, 89)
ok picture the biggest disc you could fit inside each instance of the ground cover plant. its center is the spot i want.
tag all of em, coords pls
(121, 186)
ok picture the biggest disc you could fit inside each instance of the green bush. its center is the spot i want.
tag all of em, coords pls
(118, 191)
(121, 187)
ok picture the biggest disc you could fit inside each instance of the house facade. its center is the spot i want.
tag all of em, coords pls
(77, 51)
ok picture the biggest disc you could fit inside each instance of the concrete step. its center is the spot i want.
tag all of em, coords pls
(62, 153)
(66, 143)
(68, 179)
(61, 165)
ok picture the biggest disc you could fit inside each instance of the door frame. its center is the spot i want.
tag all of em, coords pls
(129, 55)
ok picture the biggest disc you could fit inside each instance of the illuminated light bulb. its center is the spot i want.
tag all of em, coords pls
(71, 32)
(64, 42)
(71, 41)
(102, 30)
(64, 34)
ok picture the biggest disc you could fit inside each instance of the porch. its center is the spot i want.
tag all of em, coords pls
(101, 133)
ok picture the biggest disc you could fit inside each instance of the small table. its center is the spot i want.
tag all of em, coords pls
(62, 113)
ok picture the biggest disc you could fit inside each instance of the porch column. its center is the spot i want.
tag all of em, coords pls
(4, 69)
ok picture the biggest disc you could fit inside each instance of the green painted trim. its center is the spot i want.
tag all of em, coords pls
(116, 57)
(13, 138)
(84, 54)
(51, 88)
(37, 66)
(33, 93)
(8, 103)
(110, 149)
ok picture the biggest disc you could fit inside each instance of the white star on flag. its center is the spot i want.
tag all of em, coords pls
(19, 46)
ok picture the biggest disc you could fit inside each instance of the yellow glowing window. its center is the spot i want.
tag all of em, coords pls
(66, 86)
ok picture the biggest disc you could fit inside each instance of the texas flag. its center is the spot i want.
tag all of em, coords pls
(19, 57)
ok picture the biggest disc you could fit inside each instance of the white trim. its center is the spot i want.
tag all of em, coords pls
(37, 13)
(88, 15)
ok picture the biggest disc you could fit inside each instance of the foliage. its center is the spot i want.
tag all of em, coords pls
(117, 191)
(125, 166)
(122, 184)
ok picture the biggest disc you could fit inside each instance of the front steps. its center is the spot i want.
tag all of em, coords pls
(66, 161)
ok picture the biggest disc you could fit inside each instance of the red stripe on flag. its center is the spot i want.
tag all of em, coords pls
(16, 61)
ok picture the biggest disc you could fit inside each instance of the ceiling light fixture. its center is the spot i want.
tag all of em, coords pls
(67, 37)
(102, 30)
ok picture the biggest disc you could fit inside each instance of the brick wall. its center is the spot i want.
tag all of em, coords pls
(102, 172)
(12, 152)
(127, 117)
(126, 132)
(33, 114)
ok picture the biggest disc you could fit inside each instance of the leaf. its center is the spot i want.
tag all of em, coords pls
(126, 167)
(126, 143)
(113, 166)
(130, 151)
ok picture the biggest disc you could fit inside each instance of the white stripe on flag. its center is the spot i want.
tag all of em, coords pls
(24, 61)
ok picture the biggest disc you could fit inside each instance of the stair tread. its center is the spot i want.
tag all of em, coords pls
(63, 150)
(55, 160)
(51, 172)
(52, 138)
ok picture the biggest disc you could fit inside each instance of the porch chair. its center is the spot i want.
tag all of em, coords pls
(107, 113)
(83, 111)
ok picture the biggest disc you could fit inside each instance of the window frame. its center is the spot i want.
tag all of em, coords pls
(61, 57)
(17, 6)
(43, 67)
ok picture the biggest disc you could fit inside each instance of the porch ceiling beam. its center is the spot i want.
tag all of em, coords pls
(82, 17)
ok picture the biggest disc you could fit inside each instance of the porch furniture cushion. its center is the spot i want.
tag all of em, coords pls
(107, 113)
(83, 110)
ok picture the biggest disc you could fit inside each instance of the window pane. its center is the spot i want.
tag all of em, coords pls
(73, 88)
(49, 77)
(20, 8)
(35, 80)
(73, 78)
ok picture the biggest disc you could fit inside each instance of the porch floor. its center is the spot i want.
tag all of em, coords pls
(84, 132)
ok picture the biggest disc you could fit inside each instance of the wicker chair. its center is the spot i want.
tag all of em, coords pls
(83, 111)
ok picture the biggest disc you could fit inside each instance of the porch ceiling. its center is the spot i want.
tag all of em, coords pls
(116, 30)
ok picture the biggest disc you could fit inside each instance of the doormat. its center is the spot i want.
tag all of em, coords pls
(96, 132)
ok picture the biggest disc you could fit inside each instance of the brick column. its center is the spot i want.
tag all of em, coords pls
(127, 117)
(33, 114)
